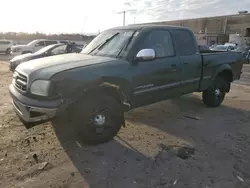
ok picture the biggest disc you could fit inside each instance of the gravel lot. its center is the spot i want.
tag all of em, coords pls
(147, 153)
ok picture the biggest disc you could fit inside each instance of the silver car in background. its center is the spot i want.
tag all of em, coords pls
(222, 48)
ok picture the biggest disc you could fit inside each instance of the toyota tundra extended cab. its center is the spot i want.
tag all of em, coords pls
(121, 69)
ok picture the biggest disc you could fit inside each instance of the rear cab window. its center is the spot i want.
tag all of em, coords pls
(185, 42)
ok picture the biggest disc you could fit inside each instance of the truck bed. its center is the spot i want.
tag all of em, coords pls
(211, 60)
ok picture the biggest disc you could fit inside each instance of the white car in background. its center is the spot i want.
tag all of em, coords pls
(5, 46)
(33, 46)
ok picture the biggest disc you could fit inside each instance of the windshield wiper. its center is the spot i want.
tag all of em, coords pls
(105, 42)
(126, 45)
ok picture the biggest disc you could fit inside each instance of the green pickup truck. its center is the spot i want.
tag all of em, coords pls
(121, 69)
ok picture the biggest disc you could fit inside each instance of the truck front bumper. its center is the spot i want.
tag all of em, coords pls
(33, 111)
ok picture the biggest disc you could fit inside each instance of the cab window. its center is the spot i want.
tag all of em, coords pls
(161, 42)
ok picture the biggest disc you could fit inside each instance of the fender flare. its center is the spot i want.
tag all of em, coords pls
(115, 87)
(115, 90)
(121, 89)
(221, 68)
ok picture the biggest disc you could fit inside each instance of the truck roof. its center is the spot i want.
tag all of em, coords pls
(149, 26)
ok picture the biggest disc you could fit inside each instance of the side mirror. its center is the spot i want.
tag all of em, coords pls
(146, 54)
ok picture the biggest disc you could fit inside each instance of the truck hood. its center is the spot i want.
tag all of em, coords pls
(48, 66)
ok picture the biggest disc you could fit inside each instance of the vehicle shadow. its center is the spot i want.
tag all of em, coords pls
(108, 165)
(215, 133)
(219, 135)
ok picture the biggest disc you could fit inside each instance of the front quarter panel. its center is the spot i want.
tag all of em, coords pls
(72, 84)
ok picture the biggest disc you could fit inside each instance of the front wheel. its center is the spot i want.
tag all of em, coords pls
(215, 94)
(97, 119)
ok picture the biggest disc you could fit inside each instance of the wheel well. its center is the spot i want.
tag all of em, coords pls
(110, 91)
(113, 92)
(227, 75)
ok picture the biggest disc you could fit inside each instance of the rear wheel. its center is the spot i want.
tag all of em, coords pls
(98, 119)
(215, 94)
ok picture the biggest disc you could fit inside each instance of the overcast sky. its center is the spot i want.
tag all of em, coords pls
(87, 16)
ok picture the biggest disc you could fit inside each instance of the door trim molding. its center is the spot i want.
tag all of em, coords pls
(166, 86)
(194, 80)
(149, 88)
(190, 81)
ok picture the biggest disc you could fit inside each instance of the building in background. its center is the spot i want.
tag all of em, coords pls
(216, 30)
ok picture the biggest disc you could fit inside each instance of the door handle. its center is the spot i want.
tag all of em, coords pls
(173, 67)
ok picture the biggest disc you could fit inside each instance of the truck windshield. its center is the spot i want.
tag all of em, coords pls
(109, 43)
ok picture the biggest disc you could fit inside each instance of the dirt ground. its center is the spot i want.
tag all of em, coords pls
(145, 154)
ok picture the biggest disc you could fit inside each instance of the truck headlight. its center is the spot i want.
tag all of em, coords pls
(40, 87)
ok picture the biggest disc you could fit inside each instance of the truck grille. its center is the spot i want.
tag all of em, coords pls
(20, 81)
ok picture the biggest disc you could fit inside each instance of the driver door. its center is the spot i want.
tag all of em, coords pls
(157, 79)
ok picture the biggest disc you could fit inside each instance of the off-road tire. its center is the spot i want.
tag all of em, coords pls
(210, 97)
(90, 107)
